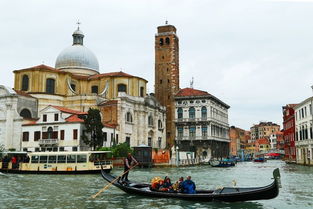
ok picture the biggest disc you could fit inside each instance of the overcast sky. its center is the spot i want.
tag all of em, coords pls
(255, 55)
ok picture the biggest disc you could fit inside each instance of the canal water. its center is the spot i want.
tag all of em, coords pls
(75, 191)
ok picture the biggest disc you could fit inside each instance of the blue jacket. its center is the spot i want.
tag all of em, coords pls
(189, 187)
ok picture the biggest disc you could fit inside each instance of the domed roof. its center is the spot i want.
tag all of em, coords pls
(77, 56)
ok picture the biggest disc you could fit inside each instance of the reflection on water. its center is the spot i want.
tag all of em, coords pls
(74, 191)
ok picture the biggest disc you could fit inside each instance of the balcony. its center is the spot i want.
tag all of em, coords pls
(305, 142)
(48, 142)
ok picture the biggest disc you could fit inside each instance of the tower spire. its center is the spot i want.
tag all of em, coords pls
(78, 36)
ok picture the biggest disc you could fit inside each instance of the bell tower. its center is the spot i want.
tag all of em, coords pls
(167, 74)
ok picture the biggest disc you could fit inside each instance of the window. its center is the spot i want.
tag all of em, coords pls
(180, 112)
(105, 136)
(94, 89)
(44, 118)
(161, 41)
(71, 158)
(61, 158)
(160, 125)
(150, 120)
(192, 112)
(116, 138)
(50, 86)
(62, 134)
(129, 117)
(50, 133)
(74, 133)
(142, 91)
(25, 113)
(35, 159)
(149, 142)
(121, 88)
(52, 159)
(159, 142)
(180, 131)
(25, 83)
(160, 81)
(81, 158)
(37, 149)
(167, 40)
(61, 149)
(56, 117)
(25, 136)
(204, 130)
(73, 86)
(43, 159)
(74, 149)
(192, 131)
(36, 135)
(203, 112)
(127, 140)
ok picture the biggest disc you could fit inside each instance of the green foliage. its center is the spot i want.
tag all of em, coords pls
(94, 126)
(120, 150)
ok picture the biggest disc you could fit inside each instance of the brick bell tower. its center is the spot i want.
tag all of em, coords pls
(167, 75)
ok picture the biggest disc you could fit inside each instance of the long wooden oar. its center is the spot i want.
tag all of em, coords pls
(112, 182)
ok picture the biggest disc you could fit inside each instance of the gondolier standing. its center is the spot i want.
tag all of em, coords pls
(128, 162)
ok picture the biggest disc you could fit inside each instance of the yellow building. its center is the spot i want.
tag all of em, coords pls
(75, 82)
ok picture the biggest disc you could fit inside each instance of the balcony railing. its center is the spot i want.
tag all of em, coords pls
(48, 141)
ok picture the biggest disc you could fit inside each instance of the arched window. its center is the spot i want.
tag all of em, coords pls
(94, 89)
(73, 86)
(180, 131)
(129, 117)
(150, 120)
(192, 112)
(142, 91)
(167, 40)
(50, 133)
(121, 88)
(204, 130)
(161, 41)
(160, 125)
(180, 112)
(25, 83)
(203, 112)
(50, 86)
(25, 113)
(192, 131)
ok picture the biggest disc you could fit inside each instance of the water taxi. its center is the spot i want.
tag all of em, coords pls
(56, 162)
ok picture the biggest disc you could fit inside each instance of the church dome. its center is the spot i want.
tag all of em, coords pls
(77, 58)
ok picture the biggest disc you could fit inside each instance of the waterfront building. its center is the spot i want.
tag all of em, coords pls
(277, 142)
(289, 132)
(75, 81)
(262, 146)
(201, 124)
(167, 74)
(263, 130)
(135, 120)
(15, 106)
(304, 135)
(237, 141)
(56, 129)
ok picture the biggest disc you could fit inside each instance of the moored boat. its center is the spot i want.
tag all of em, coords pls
(82, 162)
(226, 194)
(222, 163)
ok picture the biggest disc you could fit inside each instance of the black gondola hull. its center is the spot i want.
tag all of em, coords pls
(226, 194)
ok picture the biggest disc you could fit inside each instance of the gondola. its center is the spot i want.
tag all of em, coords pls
(225, 194)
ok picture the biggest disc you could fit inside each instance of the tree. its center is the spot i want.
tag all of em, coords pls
(120, 150)
(94, 127)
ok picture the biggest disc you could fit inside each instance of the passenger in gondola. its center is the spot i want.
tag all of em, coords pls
(178, 186)
(167, 184)
(189, 186)
(14, 162)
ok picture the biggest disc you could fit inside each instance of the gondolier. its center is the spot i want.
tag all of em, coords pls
(128, 162)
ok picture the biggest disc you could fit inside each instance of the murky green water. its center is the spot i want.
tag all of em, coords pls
(74, 191)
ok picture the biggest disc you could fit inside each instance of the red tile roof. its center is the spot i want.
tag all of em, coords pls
(38, 67)
(74, 119)
(110, 125)
(191, 92)
(23, 93)
(113, 74)
(67, 110)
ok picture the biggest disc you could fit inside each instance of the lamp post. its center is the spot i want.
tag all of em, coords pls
(177, 155)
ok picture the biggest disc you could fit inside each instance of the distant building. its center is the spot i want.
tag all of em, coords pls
(263, 130)
(289, 132)
(237, 141)
(277, 142)
(134, 120)
(304, 135)
(57, 129)
(15, 106)
(262, 146)
(201, 124)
